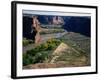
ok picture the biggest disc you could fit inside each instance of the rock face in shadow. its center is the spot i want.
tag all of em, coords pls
(27, 27)
(77, 24)
(80, 25)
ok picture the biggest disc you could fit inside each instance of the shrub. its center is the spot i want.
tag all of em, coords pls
(27, 41)
(27, 59)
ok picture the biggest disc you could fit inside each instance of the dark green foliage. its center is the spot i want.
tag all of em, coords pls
(27, 59)
(49, 45)
(26, 42)
(40, 53)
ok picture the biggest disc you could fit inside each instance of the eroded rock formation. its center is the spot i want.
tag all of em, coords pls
(57, 20)
(36, 29)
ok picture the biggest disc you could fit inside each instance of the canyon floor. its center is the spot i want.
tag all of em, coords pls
(73, 51)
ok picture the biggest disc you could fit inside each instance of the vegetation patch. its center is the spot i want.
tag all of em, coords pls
(27, 41)
(41, 53)
(77, 54)
(50, 31)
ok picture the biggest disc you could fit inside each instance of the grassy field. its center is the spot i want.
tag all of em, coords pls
(78, 52)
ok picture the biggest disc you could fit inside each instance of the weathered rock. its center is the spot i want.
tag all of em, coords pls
(37, 28)
(57, 20)
(62, 47)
